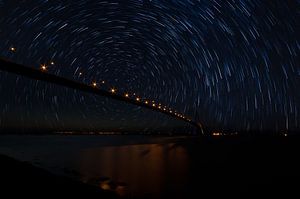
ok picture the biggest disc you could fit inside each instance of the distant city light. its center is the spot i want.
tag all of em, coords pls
(216, 134)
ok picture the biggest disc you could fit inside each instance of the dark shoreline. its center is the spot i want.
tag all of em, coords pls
(21, 179)
(223, 167)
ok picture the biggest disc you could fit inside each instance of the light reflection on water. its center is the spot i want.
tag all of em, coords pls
(165, 167)
(134, 166)
(147, 169)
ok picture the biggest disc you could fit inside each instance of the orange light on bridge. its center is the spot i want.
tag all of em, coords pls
(12, 49)
(113, 90)
(43, 67)
(153, 105)
(146, 102)
(138, 99)
(94, 84)
(159, 107)
(126, 95)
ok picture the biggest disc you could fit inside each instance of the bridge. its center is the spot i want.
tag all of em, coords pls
(42, 75)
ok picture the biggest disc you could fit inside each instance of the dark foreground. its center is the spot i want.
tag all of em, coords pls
(247, 167)
(21, 180)
(232, 167)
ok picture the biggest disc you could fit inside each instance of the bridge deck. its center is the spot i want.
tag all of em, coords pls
(36, 74)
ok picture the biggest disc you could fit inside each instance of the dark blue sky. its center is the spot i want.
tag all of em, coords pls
(236, 63)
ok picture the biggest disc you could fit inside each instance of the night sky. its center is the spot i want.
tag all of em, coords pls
(228, 64)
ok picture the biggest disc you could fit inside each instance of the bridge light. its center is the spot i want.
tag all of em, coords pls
(13, 49)
(103, 82)
(146, 102)
(126, 95)
(113, 90)
(153, 105)
(52, 63)
(165, 109)
(159, 107)
(94, 84)
(43, 67)
(80, 73)
(138, 99)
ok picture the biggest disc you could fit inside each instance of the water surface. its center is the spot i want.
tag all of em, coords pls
(135, 166)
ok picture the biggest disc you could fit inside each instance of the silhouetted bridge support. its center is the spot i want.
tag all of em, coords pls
(36, 74)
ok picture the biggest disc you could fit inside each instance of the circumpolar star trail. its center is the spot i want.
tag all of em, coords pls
(231, 64)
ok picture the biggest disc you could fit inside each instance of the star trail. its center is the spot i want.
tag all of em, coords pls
(229, 64)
